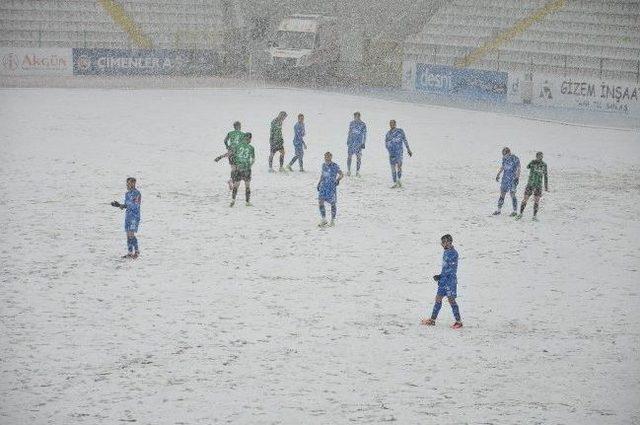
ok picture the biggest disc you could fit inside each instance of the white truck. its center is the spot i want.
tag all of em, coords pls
(304, 45)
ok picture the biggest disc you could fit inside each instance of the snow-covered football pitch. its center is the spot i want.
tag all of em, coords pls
(253, 315)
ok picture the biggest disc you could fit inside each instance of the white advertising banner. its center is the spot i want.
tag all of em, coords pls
(23, 61)
(586, 93)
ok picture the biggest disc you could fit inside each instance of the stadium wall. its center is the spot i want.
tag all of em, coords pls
(540, 90)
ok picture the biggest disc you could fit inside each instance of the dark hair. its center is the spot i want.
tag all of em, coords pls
(356, 113)
(506, 150)
(539, 153)
(236, 124)
(131, 179)
(300, 115)
(447, 238)
(247, 135)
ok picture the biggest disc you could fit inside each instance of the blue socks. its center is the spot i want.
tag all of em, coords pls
(456, 312)
(394, 175)
(323, 211)
(358, 162)
(134, 242)
(334, 211)
(436, 310)
(399, 175)
(349, 163)
(500, 201)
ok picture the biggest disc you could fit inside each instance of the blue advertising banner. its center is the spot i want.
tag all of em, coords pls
(146, 62)
(473, 83)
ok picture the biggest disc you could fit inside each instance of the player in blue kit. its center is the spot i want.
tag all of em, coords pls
(355, 142)
(447, 283)
(132, 200)
(327, 188)
(510, 171)
(394, 142)
(298, 143)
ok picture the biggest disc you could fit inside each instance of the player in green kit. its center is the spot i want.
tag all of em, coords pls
(244, 157)
(276, 141)
(537, 173)
(230, 142)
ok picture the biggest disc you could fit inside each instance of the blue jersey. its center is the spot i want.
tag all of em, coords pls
(395, 140)
(298, 131)
(132, 200)
(510, 166)
(449, 273)
(327, 186)
(357, 134)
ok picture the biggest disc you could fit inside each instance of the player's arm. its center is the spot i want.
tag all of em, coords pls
(118, 205)
(546, 179)
(218, 158)
(340, 176)
(226, 141)
(406, 144)
(500, 170)
(364, 135)
(253, 155)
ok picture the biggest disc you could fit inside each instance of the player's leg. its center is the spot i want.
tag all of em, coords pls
(399, 172)
(394, 174)
(323, 212)
(527, 193)
(514, 201)
(282, 159)
(301, 159)
(271, 159)
(247, 190)
(233, 170)
(358, 162)
(334, 212)
(436, 309)
(500, 202)
(234, 190)
(130, 249)
(455, 309)
(536, 202)
(349, 155)
(293, 160)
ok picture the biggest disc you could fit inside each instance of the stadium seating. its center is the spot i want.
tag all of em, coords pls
(196, 24)
(588, 37)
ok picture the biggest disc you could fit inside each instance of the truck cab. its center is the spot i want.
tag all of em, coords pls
(304, 45)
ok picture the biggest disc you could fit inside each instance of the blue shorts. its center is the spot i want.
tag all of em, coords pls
(508, 185)
(395, 158)
(448, 290)
(131, 224)
(354, 150)
(330, 197)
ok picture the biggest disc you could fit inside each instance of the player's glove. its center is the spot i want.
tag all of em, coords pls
(116, 204)
(218, 158)
(516, 181)
(318, 187)
(436, 278)
(410, 153)
(363, 146)
(498, 178)
(337, 182)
